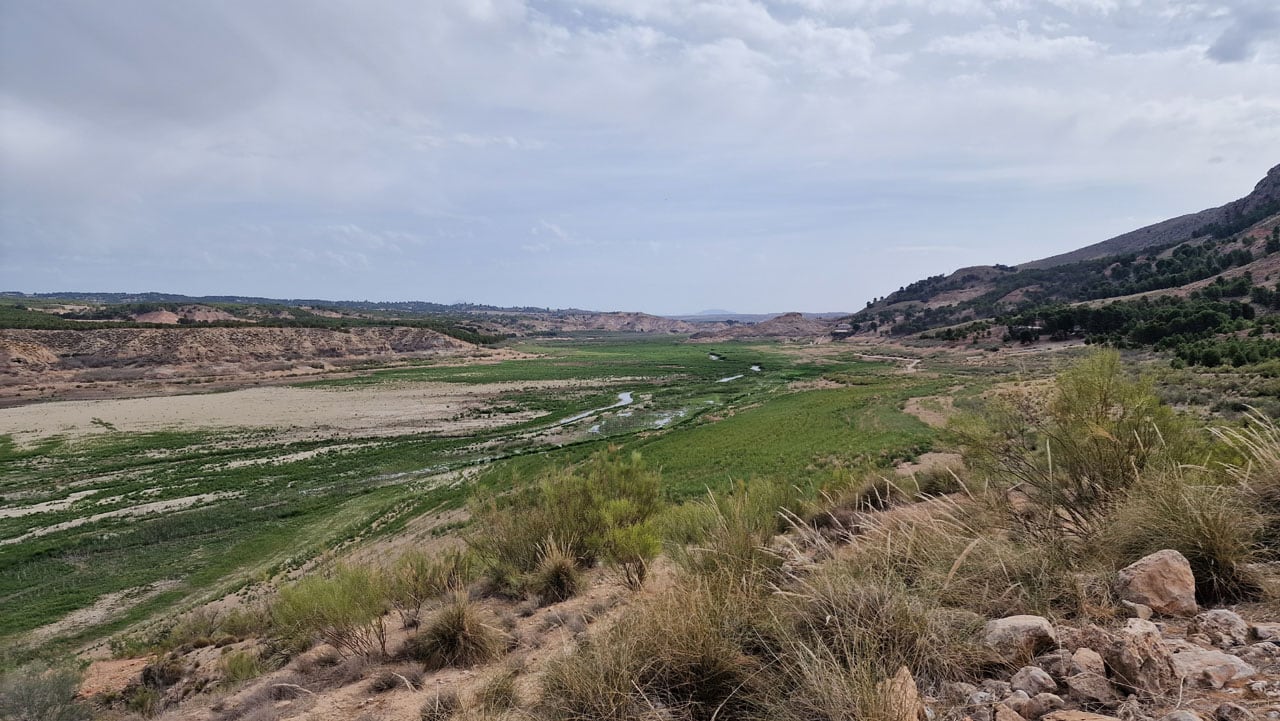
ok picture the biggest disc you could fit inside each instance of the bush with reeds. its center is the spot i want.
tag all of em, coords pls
(41, 693)
(582, 507)
(344, 609)
(418, 577)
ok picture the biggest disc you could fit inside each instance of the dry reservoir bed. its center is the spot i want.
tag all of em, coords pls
(380, 411)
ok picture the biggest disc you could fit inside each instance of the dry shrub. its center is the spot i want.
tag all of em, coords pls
(875, 626)
(457, 635)
(1259, 475)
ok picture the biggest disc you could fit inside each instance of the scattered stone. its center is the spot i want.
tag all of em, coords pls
(1086, 660)
(1136, 610)
(1033, 680)
(1017, 639)
(1036, 706)
(1091, 689)
(1043, 703)
(958, 691)
(1139, 660)
(1162, 581)
(998, 689)
(1266, 631)
(1004, 713)
(903, 697)
(1057, 662)
(1232, 712)
(1260, 653)
(1182, 715)
(1212, 668)
(1068, 715)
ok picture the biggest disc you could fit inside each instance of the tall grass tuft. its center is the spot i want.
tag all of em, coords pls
(557, 577)
(1215, 526)
(457, 635)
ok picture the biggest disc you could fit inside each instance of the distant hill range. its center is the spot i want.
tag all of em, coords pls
(1229, 253)
(470, 322)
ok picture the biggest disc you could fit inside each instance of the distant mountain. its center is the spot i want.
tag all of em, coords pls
(1222, 253)
(1219, 222)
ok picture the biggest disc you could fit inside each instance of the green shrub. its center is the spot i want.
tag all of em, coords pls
(1073, 455)
(457, 635)
(581, 507)
(630, 549)
(418, 577)
(38, 693)
(344, 609)
(240, 666)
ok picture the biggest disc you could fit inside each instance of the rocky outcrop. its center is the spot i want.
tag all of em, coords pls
(1162, 581)
(38, 350)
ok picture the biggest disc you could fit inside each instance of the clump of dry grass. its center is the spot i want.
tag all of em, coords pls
(498, 693)
(388, 679)
(440, 706)
(457, 635)
(1215, 526)
(557, 577)
(682, 653)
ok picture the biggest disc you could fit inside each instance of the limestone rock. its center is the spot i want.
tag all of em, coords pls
(1033, 680)
(1057, 662)
(1266, 631)
(902, 697)
(1092, 689)
(1207, 667)
(1004, 713)
(1140, 661)
(1260, 653)
(1041, 704)
(1163, 581)
(1182, 715)
(1136, 610)
(1068, 715)
(1017, 639)
(1224, 629)
(1086, 660)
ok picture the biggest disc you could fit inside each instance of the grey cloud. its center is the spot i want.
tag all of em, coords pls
(402, 149)
(1253, 24)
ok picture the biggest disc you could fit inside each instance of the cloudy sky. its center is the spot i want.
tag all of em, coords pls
(660, 155)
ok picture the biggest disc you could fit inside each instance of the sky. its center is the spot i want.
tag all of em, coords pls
(668, 156)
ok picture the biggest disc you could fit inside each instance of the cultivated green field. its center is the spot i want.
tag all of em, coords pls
(119, 527)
